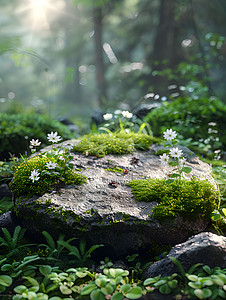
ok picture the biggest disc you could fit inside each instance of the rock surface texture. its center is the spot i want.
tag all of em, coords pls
(206, 248)
(104, 209)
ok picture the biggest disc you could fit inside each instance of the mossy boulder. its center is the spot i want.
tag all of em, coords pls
(104, 210)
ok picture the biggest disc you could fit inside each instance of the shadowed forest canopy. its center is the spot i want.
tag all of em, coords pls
(68, 58)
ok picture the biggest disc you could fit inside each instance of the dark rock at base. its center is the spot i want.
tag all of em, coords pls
(205, 248)
(9, 221)
(5, 191)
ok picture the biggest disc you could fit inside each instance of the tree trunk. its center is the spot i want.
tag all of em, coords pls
(99, 60)
(164, 46)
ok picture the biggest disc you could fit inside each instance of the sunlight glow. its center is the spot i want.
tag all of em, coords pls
(39, 10)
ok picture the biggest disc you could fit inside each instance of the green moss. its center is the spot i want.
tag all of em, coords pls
(23, 185)
(118, 143)
(189, 199)
(116, 170)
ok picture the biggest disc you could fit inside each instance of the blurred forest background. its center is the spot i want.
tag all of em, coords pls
(70, 58)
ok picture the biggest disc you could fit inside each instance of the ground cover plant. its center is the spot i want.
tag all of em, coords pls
(38, 275)
(192, 118)
(42, 172)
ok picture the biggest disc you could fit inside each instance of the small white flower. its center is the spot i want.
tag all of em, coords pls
(60, 157)
(127, 114)
(51, 165)
(69, 146)
(182, 161)
(34, 175)
(35, 143)
(107, 117)
(175, 152)
(53, 137)
(169, 134)
(164, 159)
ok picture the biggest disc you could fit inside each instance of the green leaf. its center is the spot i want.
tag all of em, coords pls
(5, 280)
(134, 293)
(192, 277)
(65, 290)
(206, 281)
(45, 269)
(6, 268)
(207, 269)
(224, 211)
(165, 289)
(206, 293)
(91, 249)
(218, 281)
(125, 288)
(178, 265)
(108, 289)
(195, 285)
(87, 289)
(117, 296)
(221, 293)
(20, 289)
(32, 281)
(97, 295)
(101, 281)
(187, 170)
(149, 281)
(160, 282)
(198, 293)
(2, 288)
(173, 283)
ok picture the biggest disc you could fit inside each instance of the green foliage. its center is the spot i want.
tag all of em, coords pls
(53, 249)
(64, 174)
(113, 282)
(114, 143)
(190, 117)
(34, 277)
(13, 245)
(16, 129)
(81, 254)
(189, 199)
(197, 283)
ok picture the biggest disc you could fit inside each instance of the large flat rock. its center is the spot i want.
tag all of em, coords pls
(104, 209)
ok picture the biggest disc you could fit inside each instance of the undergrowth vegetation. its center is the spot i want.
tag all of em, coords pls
(47, 273)
(17, 129)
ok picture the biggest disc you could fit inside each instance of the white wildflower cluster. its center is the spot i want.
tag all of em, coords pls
(125, 113)
(60, 154)
(178, 161)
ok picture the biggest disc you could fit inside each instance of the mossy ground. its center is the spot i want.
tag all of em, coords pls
(189, 199)
(116, 143)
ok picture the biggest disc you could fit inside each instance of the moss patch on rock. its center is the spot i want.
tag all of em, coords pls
(116, 143)
(190, 199)
(22, 185)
